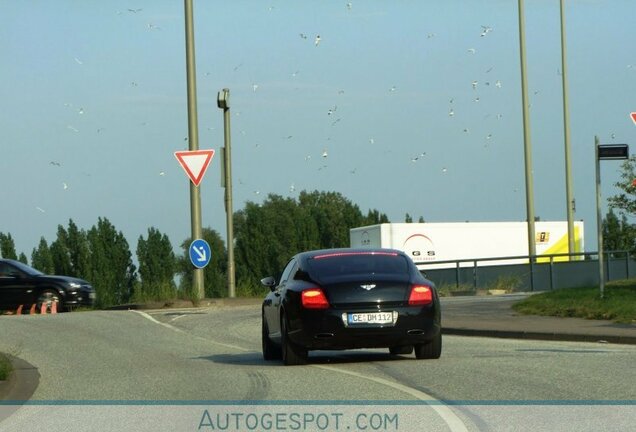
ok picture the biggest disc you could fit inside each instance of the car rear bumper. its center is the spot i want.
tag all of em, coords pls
(318, 330)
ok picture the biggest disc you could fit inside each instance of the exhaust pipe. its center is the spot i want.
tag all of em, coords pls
(324, 335)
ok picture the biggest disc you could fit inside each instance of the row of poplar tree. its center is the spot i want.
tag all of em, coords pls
(266, 235)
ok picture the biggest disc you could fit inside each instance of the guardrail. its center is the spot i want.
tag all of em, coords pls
(536, 273)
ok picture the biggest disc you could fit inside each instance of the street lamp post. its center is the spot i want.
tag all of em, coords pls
(532, 249)
(223, 102)
(566, 131)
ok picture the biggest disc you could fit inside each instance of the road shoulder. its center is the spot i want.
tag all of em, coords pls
(21, 383)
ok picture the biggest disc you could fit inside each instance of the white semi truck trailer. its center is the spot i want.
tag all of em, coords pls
(429, 243)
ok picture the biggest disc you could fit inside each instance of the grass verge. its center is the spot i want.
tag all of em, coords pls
(618, 304)
(5, 367)
(446, 290)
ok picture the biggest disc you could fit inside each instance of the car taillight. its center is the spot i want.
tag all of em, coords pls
(314, 298)
(420, 295)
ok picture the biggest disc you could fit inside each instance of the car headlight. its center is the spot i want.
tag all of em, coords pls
(74, 285)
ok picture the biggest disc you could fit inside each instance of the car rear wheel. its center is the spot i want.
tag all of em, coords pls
(48, 297)
(292, 353)
(430, 350)
(271, 351)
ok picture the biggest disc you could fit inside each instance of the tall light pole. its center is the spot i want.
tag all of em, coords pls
(566, 131)
(223, 102)
(532, 249)
(193, 140)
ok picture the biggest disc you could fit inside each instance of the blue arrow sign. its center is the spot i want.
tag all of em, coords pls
(200, 253)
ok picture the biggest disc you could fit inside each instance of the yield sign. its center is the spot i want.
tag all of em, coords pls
(195, 162)
(633, 116)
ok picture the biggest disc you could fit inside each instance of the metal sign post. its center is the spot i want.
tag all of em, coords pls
(193, 135)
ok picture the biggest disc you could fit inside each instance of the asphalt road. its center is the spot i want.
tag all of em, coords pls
(214, 354)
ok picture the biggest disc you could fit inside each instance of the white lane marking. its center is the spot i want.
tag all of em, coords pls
(177, 317)
(149, 317)
(171, 327)
(454, 423)
(448, 415)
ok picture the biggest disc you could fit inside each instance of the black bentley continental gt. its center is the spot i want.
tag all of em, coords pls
(338, 299)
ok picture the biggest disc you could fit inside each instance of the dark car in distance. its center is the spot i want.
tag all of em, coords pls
(338, 299)
(23, 285)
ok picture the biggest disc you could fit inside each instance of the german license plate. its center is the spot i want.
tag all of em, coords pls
(370, 318)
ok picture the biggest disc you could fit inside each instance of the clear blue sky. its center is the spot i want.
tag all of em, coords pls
(99, 88)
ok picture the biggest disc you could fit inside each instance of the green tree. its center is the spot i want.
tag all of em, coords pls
(78, 250)
(70, 252)
(421, 219)
(23, 258)
(60, 253)
(408, 218)
(618, 234)
(621, 235)
(42, 259)
(626, 200)
(7, 246)
(113, 272)
(267, 235)
(250, 252)
(157, 267)
(333, 214)
(374, 217)
(214, 274)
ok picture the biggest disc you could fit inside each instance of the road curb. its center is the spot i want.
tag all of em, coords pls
(562, 337)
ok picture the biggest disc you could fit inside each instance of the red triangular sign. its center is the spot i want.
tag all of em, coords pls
(633, 115)
(195, 162)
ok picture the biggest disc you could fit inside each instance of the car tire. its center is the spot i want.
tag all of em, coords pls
(49, 296)
(430, 350)
(271, 351)
(292, 354)
(401, 350)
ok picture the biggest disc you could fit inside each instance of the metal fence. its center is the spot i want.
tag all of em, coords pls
(542, 273)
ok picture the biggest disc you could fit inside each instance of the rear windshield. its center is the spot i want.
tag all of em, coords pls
(354, 263)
